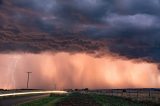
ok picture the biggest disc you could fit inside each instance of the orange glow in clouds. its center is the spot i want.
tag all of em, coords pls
(75, 71)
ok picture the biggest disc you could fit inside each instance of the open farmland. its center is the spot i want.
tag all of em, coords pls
(142, 95)
(90, 98)
(77, 99)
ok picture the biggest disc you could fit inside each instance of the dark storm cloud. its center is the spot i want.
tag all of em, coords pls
(129, 28)
(138, 6)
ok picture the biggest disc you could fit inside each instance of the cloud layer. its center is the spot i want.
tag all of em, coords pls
(128, 28)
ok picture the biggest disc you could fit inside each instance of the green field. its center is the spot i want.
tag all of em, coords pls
(104, 100)
(77, 99)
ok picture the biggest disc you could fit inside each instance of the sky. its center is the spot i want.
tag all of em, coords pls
(67, 71)
(126, 30)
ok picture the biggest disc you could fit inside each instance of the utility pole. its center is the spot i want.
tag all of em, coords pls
(28, 73)
(55, 87)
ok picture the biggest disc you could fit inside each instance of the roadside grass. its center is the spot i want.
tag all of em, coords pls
(102, 100)
(77, 99)
(47, 101)
(105, 100)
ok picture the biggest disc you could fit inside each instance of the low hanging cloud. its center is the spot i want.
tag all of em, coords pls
(139, 21)
(128, 28)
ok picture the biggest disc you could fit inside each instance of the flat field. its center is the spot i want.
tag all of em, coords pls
(87, 99)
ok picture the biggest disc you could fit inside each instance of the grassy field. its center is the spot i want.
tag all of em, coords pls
(119, 101)
(141, 95)
(78, 99)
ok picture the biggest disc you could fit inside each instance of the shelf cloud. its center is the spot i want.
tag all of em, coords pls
(128, 28)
